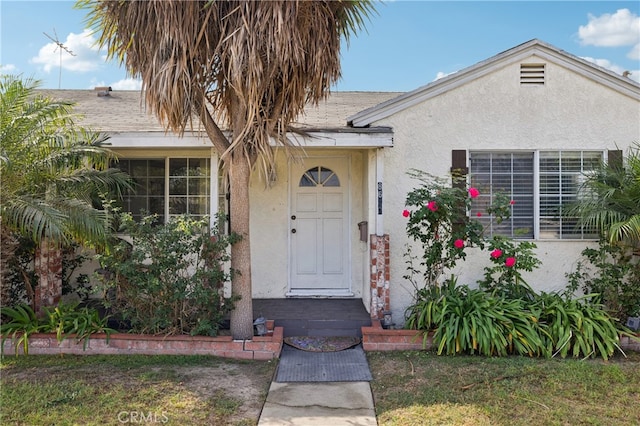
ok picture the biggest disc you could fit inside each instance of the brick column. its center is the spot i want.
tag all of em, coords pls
(48, 268)
(379, 275)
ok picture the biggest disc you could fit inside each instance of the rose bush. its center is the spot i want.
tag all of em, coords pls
(438, 220)
(504, 315)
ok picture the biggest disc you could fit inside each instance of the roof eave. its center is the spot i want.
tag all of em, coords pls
(546, 51)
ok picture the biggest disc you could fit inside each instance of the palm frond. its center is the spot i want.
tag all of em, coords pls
(52, 169)
(247, 66)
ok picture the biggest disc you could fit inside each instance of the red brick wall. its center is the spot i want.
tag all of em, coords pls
(379, 250)
(259, 348)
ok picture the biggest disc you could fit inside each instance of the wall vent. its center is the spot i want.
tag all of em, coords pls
(532, 74)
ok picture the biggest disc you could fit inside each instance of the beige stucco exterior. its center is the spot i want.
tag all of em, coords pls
(270, 225)
(495, 112)
(485, 107)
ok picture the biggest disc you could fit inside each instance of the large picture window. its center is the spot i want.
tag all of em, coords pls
(541, 184)
(168, 187)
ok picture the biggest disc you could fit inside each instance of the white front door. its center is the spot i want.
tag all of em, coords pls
(319, 227)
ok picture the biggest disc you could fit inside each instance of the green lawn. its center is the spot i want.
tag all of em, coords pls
(115, 390)
(420, 388)
(410, 388)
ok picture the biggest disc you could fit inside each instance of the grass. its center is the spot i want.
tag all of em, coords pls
(112, 390)
(409, 388)
(420, 388)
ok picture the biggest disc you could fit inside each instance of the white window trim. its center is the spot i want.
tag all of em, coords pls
(536, 187)
(166, 156)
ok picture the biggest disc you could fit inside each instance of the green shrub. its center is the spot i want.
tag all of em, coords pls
(612, 272)
(579, 327)
(21, 322)
(504, 315)
(437, 219)
(509, 258)
(170, 278)
(18, 324)
(472, 321)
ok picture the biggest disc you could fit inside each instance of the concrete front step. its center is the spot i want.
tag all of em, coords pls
(315, 317)
(301, 327)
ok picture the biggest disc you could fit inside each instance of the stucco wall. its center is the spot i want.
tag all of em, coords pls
(270, 226)
(495, 112)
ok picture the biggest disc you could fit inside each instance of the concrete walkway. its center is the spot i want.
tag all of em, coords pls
(320, 389)
(319, 404)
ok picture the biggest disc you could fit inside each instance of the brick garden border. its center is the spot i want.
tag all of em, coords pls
(259, 348)
(376, 338)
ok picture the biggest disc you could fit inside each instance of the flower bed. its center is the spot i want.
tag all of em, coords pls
(376, 338)
(260, 347)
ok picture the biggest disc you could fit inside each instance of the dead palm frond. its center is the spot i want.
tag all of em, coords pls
(246, 66)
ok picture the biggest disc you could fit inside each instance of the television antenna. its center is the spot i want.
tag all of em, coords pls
(61, 47)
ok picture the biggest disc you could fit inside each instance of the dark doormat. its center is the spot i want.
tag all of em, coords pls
(349, 365)
(322, 343)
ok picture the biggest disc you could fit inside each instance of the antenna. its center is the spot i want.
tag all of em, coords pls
(62, 47)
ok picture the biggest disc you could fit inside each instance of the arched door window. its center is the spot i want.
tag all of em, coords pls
(319, 176)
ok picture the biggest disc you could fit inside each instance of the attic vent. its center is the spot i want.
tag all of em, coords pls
(532, 74)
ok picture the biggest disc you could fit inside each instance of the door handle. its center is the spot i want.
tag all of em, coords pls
(293, 231)
(293, 217)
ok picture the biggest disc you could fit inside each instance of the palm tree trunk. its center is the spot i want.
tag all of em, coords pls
(48, 268)
(242, 315)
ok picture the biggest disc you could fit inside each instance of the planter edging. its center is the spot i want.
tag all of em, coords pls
(376, 338)
(259, 348)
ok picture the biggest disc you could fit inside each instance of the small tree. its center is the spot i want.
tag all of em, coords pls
(610, 203)
(52, 171)
(247, 66)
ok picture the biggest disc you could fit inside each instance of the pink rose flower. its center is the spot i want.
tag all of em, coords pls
(479, 214)
(405, 213)
(473, 192)
(509, 262)
(496, 253)
(512, 202)
(458, 243)
(432, 205)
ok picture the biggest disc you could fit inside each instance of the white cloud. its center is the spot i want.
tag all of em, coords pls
(127, 84)
(605, 63)
(612, 30)
(8, 69)
(620, 29)
(86, 55)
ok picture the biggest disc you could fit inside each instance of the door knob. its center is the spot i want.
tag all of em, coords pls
(293, 231)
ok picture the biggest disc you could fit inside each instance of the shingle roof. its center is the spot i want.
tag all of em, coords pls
(124, 111)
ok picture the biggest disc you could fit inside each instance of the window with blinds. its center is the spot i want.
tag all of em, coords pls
(541, 184)
(509, 173)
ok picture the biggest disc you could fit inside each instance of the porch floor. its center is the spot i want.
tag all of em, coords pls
(314, 317)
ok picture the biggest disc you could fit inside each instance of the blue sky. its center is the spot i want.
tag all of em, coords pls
(406, 45)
